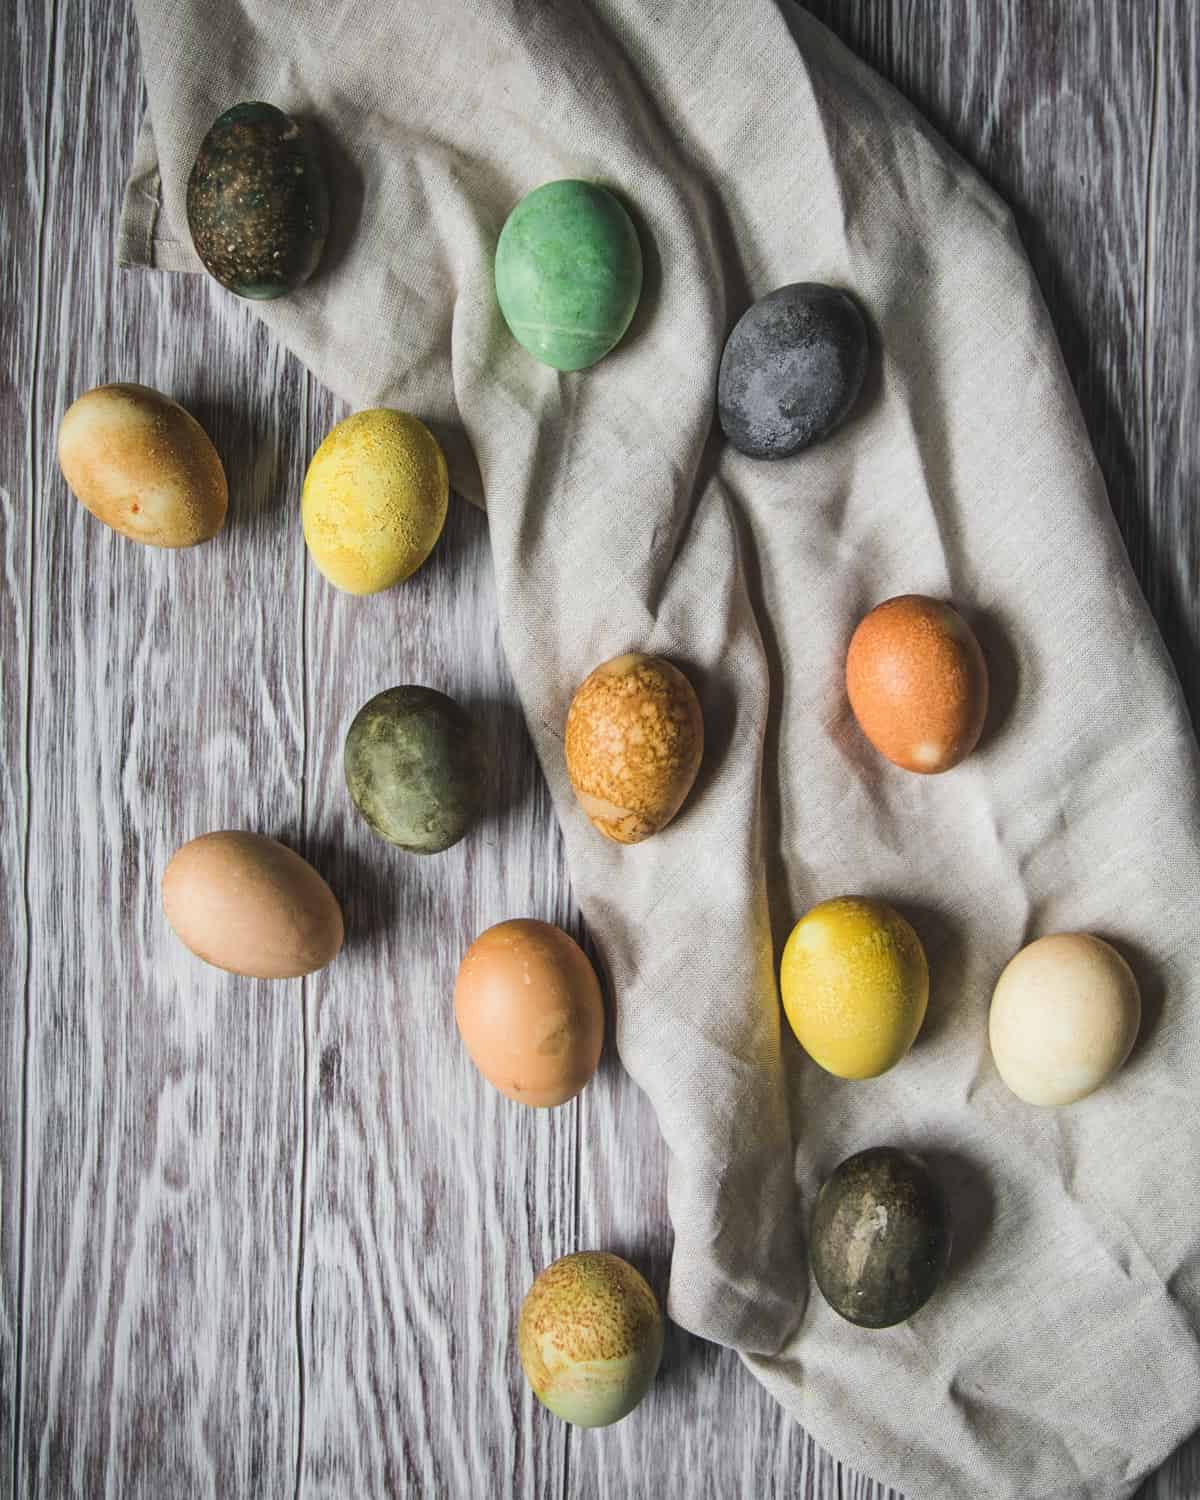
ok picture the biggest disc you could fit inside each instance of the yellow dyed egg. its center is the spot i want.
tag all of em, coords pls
(375, 499)
(855, 985)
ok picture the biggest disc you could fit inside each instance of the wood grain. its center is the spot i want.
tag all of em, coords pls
(24, 50)
(273, 1238)
(163, 1100)
(431, 1200)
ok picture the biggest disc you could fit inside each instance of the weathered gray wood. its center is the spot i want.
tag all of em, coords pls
(1171, 457)
(276, 1236)
(163, 1100)
(23, 56)
(431, 1200)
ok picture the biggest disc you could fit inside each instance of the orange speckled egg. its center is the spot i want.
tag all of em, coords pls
(529, 1011)
(634, 742)
(918, 683)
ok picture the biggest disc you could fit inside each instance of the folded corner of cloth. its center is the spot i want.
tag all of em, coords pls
(1060, 1357)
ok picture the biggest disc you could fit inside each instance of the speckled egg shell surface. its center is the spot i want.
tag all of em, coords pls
(415, 769)
(568, 273)
(880, 1240)
(590, 1338)
(634, 742)
(375, 500)
(791, 370)
(143, 465)
(257, 202)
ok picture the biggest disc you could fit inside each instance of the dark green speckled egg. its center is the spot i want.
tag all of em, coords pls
(880, 1237)
(257, 202)
(415, 769)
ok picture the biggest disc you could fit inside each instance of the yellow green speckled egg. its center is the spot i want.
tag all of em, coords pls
(375, 499)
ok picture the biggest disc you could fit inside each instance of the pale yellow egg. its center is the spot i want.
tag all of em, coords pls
(1065, 1014)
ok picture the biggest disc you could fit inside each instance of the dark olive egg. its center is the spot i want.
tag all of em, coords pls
(415, 768)
(257, 202)
(880, 1237)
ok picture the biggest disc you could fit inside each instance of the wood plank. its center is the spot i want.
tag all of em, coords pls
(431, 1200)
(163, 1098)
(24, 52)
(1172, 407)
(1172, 357)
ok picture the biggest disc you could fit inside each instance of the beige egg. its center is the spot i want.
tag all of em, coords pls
(634, 743)
(529, 1011)
(248, 904)
(1064, 1017)
(143, 465)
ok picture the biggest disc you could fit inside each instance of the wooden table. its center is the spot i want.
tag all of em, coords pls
(270, 1240)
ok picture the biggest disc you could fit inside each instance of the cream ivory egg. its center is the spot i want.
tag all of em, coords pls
(1064, 1017)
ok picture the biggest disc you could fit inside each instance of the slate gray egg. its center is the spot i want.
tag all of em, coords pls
(880, 1239)
(792, 370)
(415, 768)
(257, 202)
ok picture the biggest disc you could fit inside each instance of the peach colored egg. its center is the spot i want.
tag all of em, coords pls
(529, 1011)
(634, 742)
(918, 683)
(143, 465)
(248, 904)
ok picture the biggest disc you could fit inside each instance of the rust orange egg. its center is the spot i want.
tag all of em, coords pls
(529, 1011)
(917, 682)
(634, 742)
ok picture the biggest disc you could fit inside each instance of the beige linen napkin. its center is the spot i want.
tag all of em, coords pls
(1061, 1358)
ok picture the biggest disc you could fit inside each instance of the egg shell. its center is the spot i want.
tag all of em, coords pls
(1065, 1015)
(855, 986)
(568, 273)
(881, 1237)
(590, 1338)
(415, 768)
(375, 500)
(257, 202)
(248, 904)
(634, 742)
(918, 684)
(791, 370)
(143, 465)
(530, 1012)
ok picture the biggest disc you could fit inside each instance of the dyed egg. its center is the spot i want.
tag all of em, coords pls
(590, 1338)
(415, 769)
(529, 1011)
(568, 273)
(880, 1240)
(257, 203)
(245, 903)
(1065, 1015)
(855, 985)
(634, 742)
(375, 500)
(791, 370)
(918, 683)
(143, 465)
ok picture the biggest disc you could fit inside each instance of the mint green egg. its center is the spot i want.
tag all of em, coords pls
(568, 273)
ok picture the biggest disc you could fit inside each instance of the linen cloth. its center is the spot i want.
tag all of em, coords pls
(1061, 1357)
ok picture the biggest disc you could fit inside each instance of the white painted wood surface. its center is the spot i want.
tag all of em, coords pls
(271, 1240)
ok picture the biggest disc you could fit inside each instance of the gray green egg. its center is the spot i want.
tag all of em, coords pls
(880, 1240)
(257, 202)
(415, 769)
